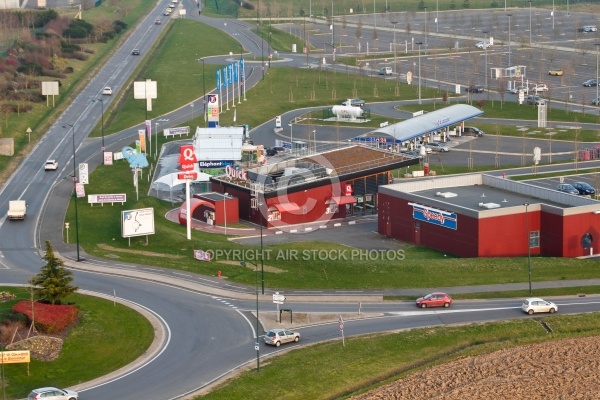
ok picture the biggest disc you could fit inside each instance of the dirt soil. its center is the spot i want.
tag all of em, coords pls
(567, 369)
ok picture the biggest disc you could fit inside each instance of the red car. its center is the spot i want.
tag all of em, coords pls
(434, 300)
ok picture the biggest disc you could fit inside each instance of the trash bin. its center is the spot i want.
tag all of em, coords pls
(426, 168)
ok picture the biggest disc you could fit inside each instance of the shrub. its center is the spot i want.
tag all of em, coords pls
(48, 318)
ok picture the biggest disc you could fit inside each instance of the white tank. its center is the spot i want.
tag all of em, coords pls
(347, 111)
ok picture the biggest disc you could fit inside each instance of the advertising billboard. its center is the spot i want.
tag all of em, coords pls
(138, 222)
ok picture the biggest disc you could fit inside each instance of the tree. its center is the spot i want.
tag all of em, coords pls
(54, 280)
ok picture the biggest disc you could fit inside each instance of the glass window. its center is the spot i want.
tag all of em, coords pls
(534, 239)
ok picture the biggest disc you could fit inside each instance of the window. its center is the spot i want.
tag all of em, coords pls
(534, 239)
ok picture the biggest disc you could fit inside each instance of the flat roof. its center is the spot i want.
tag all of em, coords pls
(429, 122)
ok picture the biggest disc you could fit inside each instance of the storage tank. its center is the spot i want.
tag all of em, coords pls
(347, 112)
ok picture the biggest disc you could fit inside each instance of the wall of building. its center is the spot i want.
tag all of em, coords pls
(575, 226)
(507, 235)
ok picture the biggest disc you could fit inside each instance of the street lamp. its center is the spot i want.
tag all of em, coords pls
(256, 344)
(204, 91)
(509, 15)
(419, 44)
(528, 245)
(291, 137)
(192, 105)
(156, 133)
(485, 46)
(75, 189)
(596, 44)
(395, 59)
(262, 262)
(529, 22)
(426, 29)
(225, 210)
(262, 55)
(315, 139)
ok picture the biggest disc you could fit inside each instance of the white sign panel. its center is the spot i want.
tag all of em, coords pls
(84, 176)
(278, 298)
(49, 88)
(137, 222)
(145, 90)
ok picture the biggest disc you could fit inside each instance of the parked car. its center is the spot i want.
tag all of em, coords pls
(518, 89)
(536, 305)
(135, 52)
(273, 151)
(52, 393)
(596, 101)
(567, 188)
(50, 165)
(556, 72)
(437, 299)
(535, 100)
(437, 146)
(107, 91)
(276, 337)
(475, 89)
(584, 188)
(157, 21)
(590, 82)
(413, 153)
(386, 71)
(427, 148)
(355, 103)
(540, 87)
(588, 28)
(482, 45)
(472, 131)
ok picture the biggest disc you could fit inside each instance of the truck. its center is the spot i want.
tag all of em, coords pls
(17, 209)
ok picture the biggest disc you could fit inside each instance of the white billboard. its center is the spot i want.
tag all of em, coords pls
(137, 222)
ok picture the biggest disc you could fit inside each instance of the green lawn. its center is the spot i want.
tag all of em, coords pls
(107, 337)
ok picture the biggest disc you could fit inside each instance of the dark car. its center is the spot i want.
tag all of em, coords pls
(135, 52)
(273, 151)
(354, 103)
(472, 131)
(475, 89)
(567, 188)
(434, 300)
(585, 189)
(590, 82)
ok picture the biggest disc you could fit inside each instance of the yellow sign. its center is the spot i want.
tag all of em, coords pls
(14, 357)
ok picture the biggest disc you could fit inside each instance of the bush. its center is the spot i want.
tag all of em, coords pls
(48, 318)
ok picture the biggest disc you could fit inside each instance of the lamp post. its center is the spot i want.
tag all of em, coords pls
(529, 22)
(395, 59)
(262, 55)
(225, 210)
(509, 15)
(596, 44)
(426, 29)
(75, 189)
(256, 344)
(419, 44)
(485, 46)
(552, 14)
(262, 262)
(102, 104)
(204, 91)
(315, 139)
(528, 245)
(291, 138)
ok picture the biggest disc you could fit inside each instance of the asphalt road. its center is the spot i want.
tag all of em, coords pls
(208, 336)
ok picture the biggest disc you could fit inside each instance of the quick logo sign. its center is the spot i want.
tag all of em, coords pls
(434, 216)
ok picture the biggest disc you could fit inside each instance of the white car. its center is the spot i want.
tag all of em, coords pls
(427, 148)
(52, 393)
(518, 89)
(536, 305)
(540, 87)
(437, 146)
(50, 165)
(483, 45)
(107, 91)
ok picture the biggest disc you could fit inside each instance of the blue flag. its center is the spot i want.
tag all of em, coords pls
(236, 71)
(218, 78)
(242, 70)
(224, 81)
(230, 74)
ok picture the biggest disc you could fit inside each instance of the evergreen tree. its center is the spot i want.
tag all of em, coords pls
(54, 280)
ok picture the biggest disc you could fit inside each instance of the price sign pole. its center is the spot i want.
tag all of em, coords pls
(341, 324)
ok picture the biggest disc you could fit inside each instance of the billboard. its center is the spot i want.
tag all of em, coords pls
(138, 222)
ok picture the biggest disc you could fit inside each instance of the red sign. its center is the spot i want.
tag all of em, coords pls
(348, 189)
(189, 175)
(187, 157)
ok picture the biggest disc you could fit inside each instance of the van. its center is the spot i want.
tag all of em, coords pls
(385, 71)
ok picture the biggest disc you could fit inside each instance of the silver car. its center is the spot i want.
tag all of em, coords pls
(52, 393)
(437, 146)
(537, 305)
(276, 337)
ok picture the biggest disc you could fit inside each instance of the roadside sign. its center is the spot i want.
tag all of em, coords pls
(278, 298)
(341, 323)
(188, 175)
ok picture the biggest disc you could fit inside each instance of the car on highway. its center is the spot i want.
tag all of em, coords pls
(50, 165)
(52, 393)
(437, 299)
(567, 188)
(135, 52)
(535, 100)
(588, 28)
(590, 82)
(273, 151)
(539, 87)
(354, 103)
(107, 91)
(518, 89)
(556, 72)
(472, 131)
(482, 45)
(437, 146)
(157, 21)
(167, 12)
(584, 188)
(536, 305)
(475, 89)
(276, 337)
(172, 5)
